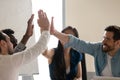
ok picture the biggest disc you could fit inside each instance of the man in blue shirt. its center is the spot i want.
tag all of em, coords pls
(106, 53)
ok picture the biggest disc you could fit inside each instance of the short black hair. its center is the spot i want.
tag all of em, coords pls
(2, 37)
(10, 33)
(115, 29)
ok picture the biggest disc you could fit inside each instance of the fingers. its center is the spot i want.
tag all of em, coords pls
(52, 26)
(31, 19)
(43, 21)
(40, 13)
(30, 26)
(52, 21)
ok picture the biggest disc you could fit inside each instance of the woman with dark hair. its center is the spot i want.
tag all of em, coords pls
(64, 63)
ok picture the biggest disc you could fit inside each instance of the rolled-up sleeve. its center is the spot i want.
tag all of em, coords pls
(70, 42)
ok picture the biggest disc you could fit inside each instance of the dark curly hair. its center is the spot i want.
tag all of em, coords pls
(116, 31)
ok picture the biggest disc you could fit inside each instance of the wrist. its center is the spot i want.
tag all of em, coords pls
(25, 39)
(54, 32)
(44, 30)
(26, 36)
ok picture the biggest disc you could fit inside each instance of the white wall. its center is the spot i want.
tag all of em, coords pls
(90, 17)
(14, 14)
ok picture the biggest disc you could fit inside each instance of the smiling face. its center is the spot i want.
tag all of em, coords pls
(111, 39)
(108, 42)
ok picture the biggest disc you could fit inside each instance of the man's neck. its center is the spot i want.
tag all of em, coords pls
(113, 52)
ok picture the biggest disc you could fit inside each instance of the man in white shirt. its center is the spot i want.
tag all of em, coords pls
(22, 44)
(10, 64)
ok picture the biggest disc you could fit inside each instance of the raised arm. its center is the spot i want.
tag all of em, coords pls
(29, 32)
(64, 38)
(33, 52)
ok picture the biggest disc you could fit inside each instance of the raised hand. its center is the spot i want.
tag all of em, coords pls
(43, 21)
(29, 30)
(52, 30)
(30, 26)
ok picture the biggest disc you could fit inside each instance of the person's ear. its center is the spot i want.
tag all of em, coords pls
(118, 43)
(2, 43)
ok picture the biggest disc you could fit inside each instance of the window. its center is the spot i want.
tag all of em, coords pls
(52, 8)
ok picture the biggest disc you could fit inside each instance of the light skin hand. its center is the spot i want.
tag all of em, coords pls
(52, 29)
(43, 21)
(61, 36)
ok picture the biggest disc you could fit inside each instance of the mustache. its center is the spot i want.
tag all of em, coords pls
(105, 45)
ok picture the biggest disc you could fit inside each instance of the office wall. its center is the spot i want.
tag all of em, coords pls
(90, 17)
(14, 14)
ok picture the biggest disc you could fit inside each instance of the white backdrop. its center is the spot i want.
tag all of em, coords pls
(14, 14)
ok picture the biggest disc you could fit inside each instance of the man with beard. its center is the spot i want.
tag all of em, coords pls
(106, 53)
(22, 44)
(10, 64)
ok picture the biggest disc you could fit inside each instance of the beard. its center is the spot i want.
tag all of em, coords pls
(107, 48)
(10, 51)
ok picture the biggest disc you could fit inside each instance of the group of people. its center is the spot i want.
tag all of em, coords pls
(64, 60)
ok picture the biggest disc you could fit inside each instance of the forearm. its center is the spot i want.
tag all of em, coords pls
(33, 52)
(25, 39)
(64, 38)
(41, 45)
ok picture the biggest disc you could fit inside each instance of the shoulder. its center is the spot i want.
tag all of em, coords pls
(76, 55)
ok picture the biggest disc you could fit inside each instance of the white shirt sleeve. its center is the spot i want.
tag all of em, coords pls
(26, 56)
